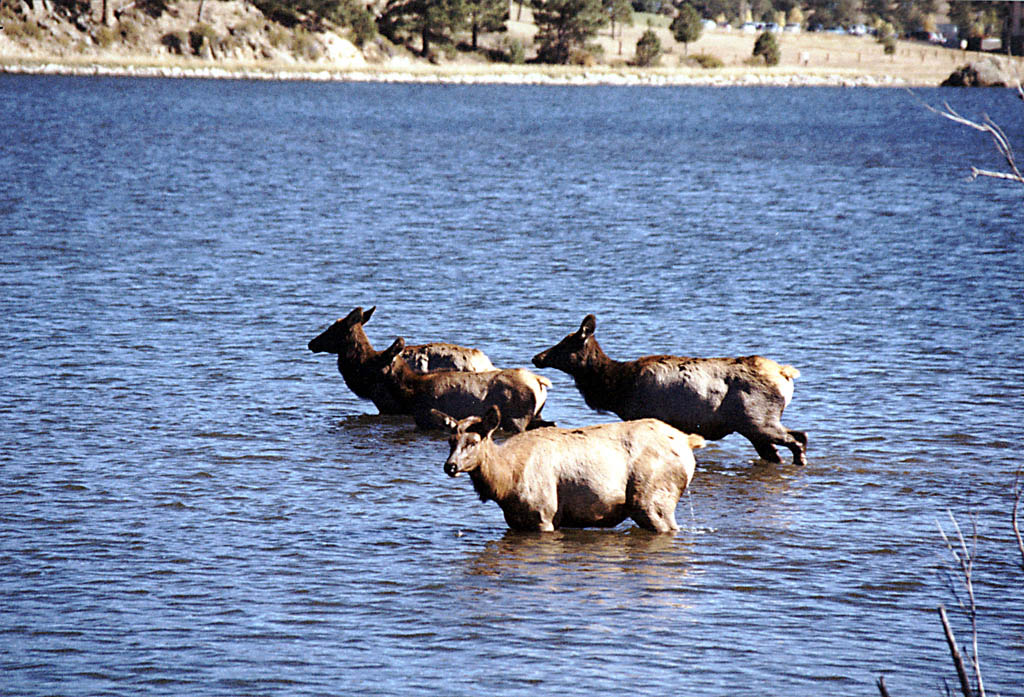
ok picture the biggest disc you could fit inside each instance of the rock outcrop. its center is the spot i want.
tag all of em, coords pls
(987, 72)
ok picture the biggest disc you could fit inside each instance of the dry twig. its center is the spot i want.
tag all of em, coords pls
(965, 558)
(998, 136)
(954, 651)
(1018, 492)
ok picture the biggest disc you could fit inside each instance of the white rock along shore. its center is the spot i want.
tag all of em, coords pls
(453, 75)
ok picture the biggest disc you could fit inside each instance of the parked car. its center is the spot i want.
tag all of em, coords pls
(792, 29)
(929, 36)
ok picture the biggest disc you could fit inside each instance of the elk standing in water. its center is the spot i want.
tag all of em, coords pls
(519, 393)
(587, 477)
(710, 396)
(358, 362)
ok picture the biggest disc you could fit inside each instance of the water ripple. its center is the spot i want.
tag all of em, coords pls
(194, 503)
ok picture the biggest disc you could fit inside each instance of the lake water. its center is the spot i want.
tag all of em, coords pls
(192, 503)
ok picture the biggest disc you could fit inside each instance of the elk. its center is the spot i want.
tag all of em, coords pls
(519, 393)
(358, 362)
(595, 476)
(712, 397)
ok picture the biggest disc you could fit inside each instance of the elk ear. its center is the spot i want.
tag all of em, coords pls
(588, 326)
(389, 354)
(354, 317)
(443, 421)
(368, 314)
(491, 420)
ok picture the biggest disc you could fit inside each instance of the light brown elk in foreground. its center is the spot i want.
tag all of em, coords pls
(710, 396)
(358, 362)
(595, 476)
(519, 393)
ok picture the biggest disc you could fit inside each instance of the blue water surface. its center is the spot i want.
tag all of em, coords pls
(192, 503)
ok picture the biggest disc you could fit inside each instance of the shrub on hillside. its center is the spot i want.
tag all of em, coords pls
(360, 20)
(582, 57)
(201, 34)
(705, 60)
(768, 48)
(131, 32)
(153, 8)
(105, 36)
(175, 42)
(509, 51)
(648, 50)
(18, 29)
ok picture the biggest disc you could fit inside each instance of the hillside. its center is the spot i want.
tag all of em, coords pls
(233, 38)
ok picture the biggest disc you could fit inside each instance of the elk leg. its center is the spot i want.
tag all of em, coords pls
(765, 449)
(654, 520)
(797, 444)
(768, 437)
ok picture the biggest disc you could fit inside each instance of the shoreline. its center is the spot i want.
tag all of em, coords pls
(460, 74)
(239, 43)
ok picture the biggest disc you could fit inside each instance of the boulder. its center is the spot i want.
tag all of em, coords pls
(987, 72)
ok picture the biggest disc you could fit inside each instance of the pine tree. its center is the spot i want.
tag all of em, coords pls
(686, 27)
(565, 25)
(618, 11)
(430, 19)
(767, 47)
(485, 15)
(648, 49)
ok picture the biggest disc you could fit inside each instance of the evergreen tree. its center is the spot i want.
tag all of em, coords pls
(310, 13)
(648, 49)
(485, 15)
(768, 48)
(620, 11)
(722, 10)
(430, 19)
(565, 25)
(687, 26)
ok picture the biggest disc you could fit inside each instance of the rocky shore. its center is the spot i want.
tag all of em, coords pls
(538, 75)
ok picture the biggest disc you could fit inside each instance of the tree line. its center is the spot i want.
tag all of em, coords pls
(565, 26)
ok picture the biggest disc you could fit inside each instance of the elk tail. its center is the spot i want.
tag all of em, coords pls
(789, 372)
(695, 441)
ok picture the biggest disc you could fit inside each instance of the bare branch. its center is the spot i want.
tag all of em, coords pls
(1018, 492)
(958, 661)
(999, 139)
(975, 173)
(882, 689)
(965, 558)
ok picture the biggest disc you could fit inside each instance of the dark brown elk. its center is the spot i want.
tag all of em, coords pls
(358, 362)
(710, 396)
(595, 476)
(519, 393)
